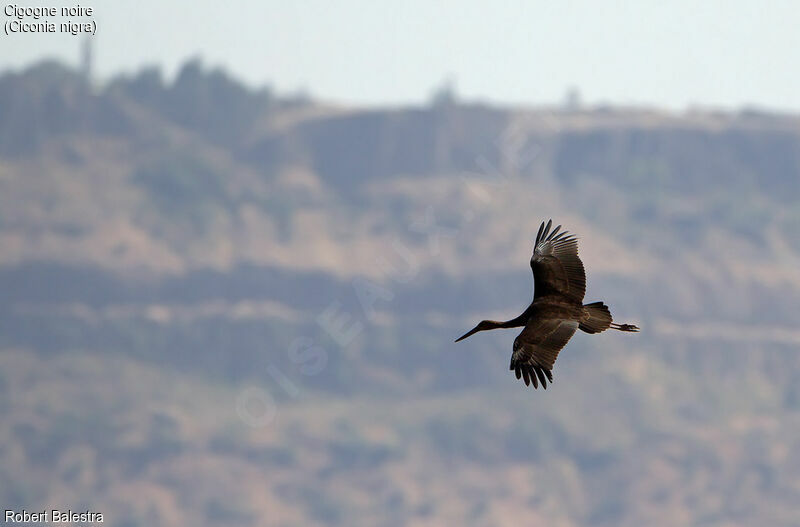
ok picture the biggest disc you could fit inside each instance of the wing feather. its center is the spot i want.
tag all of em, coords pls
(557, 269)
(536, 348)
(526, 376)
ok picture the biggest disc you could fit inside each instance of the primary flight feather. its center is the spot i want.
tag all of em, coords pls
(557, 310)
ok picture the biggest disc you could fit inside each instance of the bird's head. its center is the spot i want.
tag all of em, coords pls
(482, 326)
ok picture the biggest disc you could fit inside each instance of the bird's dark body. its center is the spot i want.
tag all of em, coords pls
(557, 309)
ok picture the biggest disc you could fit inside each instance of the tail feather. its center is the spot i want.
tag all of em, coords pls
(599, 318)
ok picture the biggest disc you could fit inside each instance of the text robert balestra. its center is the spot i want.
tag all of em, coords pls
(53, 516)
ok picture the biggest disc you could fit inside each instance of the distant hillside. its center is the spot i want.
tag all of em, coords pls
(165, 245)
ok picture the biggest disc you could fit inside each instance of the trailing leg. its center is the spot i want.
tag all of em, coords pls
(625, 327)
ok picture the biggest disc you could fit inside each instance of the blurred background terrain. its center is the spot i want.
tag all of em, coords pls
(220, 305)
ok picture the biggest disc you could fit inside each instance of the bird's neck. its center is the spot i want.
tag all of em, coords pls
(513, 323)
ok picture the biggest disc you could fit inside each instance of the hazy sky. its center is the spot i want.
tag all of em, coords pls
(674, 54)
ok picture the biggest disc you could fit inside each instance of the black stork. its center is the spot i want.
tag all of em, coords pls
(557, 310)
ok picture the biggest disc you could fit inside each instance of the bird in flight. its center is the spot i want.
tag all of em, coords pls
(557, 310)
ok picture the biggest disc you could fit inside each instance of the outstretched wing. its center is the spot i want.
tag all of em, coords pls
(537, 347)
(557, 270)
